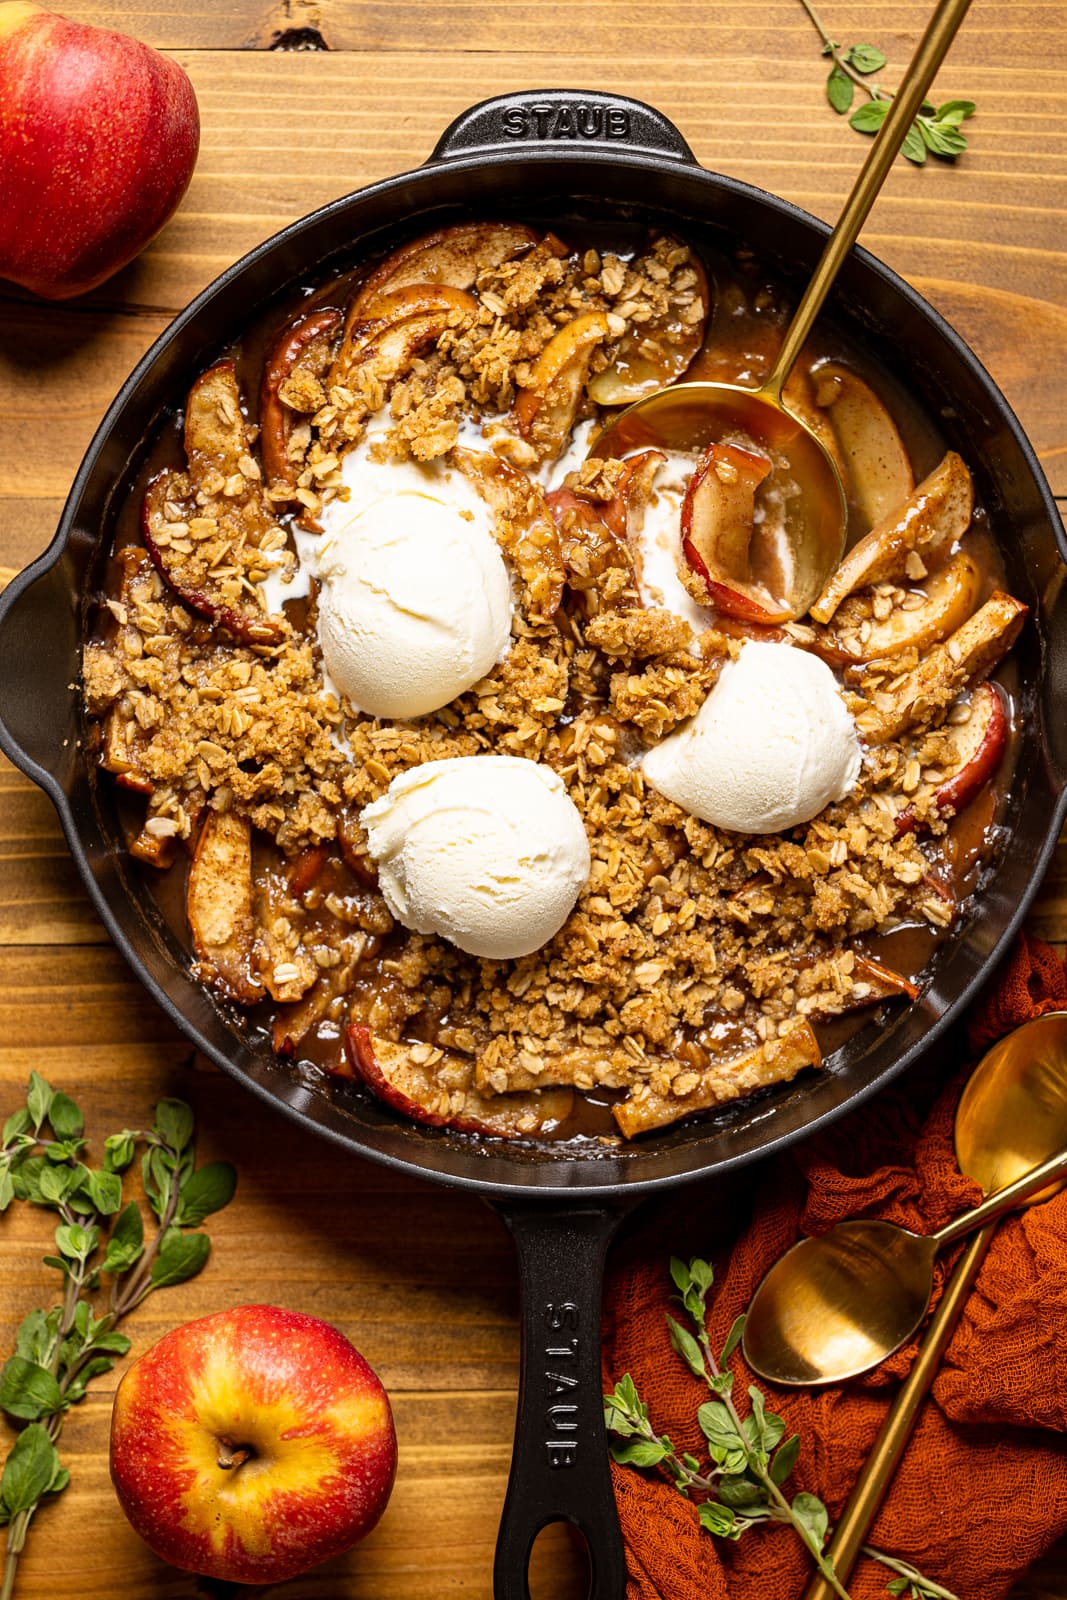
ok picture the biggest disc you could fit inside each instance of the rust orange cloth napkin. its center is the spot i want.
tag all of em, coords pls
(982, 1490)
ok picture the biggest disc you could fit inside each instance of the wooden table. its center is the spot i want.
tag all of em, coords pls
(301, 101)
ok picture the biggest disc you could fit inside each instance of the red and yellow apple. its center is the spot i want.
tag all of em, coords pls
(99, 135)
(251, 1445)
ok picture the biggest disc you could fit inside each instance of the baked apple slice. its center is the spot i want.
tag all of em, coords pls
(441, 1094)
(453, 256)
(214, 433)
(578, 1067)
(625, 514)
(656, 352)
(523, 527)
(971, 754)
(946, 600)
(545, 410)
(186, 573)
(878, 469)
(219, 907)
(293, 345)
(969, 654)
(718, 522)
(650, 1106)
(390, 331)
(926, 526)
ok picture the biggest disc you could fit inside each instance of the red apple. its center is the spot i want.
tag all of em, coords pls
(98, 139)
(251, 1445)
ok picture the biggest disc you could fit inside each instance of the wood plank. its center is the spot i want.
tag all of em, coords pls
(1020, 35)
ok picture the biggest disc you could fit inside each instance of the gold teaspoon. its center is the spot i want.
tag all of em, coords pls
(1026, 1069)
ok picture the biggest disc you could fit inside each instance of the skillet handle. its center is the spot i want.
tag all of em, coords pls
(566, 120)
(38, 642)
(559, 1468)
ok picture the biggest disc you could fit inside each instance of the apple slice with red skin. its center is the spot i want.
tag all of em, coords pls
(927, 525)
(979, 745)
(966, 656)
(718, 517)
(219, 907)
(251, 1445)
(625, 514)
(395, 328)
(777, 1061)
(453, 256)
(523, 527)
(885, 983)
(545, 410)
(652, 354)
(275, 417)
(413, 1089)
(950, 596)
(878, 468)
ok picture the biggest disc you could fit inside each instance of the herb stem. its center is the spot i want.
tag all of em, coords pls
(140, 1283)
(16, 1538)
(838, 59)
(906, 1570)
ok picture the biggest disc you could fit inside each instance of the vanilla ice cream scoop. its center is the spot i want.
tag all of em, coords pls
(415, 602)
(488, 851)
(770, 747)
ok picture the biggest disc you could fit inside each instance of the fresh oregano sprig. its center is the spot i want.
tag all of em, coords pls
(750, 1460)
(106, 1263)
(936, 129)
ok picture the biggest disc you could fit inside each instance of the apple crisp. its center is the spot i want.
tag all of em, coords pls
(698, 963)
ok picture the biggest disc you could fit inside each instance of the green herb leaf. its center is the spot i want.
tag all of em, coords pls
(682, 1341)
(640, 1453)
(733, 1338)
(119, 1150)
(31, 1470)
(956, 111)
(65, 1117)
(7, 1187)
(944, 140)
(914, 147)
(681, 1275)
(839, 90)
(741, 1493)
(36, 1336)
(701, 1274)
(899, 1586)
(181, 1256)
(785, 1460)
(56, 1184)
(28, 1391)
(207, 1190)
(19, 1123)
(126, 1244)
(718, 1520)
(869, 118)
(811, 1513)
(174, 1124)
(104, 1189)
(76, 1243)
(38, 1101)
(866, 58)
(26, 1178)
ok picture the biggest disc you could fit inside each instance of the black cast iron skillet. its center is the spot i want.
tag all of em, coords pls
(550, 156)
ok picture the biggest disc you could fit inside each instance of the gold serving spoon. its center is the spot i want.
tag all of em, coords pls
(690, 416)
(835, 1306)
(1021, 1085)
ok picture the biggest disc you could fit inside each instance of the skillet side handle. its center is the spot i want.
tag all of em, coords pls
(38, 643)
(568, 120)
(559, 1468)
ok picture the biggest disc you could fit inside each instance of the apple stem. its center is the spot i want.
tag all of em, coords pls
(229, 1457)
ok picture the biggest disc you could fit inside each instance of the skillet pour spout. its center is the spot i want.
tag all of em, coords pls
(616, 160)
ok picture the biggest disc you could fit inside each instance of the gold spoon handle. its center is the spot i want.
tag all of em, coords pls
(906, 104)
(851, 1531)
(1002, 1200)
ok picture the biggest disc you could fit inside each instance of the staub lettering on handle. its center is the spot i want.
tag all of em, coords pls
(577, 121)
(561, 1383)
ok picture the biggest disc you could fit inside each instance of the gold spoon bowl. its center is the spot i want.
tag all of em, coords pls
(835, 1306)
